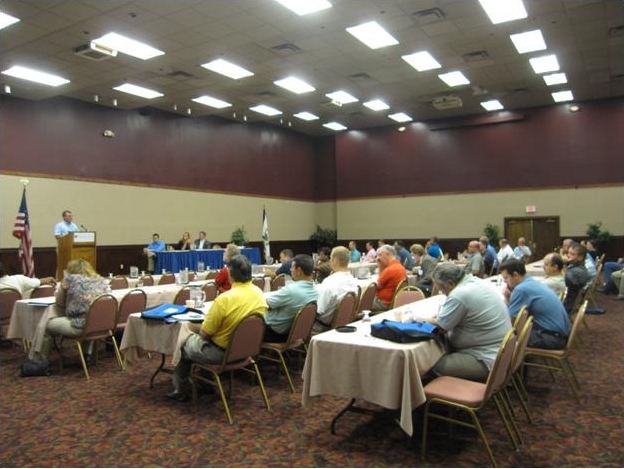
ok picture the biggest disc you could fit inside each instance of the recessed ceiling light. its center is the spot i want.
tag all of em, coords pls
(555, 79)
(138, 91)
(400, 117)
(128, 46)
(295, 85)
(561, 96)
(376, 105)
(342, 97)
(528, 42)
(492, 105)
(212, 102)
(547, 63)
(266, 110)
(574, 107)
(30, 74)
(421, 61)
(501, 11)
(306, 116)
(454, 78)
(306, 6)
(7, 20)
(228, 69)
(334, 126)
(373, 35)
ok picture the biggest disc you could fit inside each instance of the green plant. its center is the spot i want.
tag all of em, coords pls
(597, 236)
(323, 237)
(239, 236)
(493, 233)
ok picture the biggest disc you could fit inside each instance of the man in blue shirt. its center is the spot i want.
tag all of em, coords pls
(551, 323)
(354, 253)
(150, 251)
(433, 248)
(489, 256)
(404, 255)
(65, 226)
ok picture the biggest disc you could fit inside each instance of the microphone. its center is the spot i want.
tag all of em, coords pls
(84, 227)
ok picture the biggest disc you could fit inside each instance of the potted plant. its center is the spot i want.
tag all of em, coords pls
(323, 237)
(239, 236)
(493, 233)
(597, 236)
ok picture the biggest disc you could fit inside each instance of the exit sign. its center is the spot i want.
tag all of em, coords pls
(530, 209)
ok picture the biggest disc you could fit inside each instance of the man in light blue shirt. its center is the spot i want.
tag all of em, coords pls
(157, 245)
(285, 302)
(354, 253)
(65, 226)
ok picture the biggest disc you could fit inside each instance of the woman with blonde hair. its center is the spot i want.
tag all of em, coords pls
(185, 243)
(222, 280)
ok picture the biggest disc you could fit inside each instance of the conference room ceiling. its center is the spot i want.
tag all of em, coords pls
(272, 42)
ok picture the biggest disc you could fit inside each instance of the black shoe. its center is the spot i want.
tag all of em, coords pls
(178, 396)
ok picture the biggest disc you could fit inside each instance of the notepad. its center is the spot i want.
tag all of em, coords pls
(188, 316)
(42, 301)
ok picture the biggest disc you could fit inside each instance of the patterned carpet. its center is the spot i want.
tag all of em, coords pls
(116, 420)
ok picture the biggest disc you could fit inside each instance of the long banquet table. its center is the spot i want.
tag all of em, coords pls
(174, 261)
(357, 365)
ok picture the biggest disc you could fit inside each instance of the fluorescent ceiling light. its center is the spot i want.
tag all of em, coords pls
(501, 11)
(295, 85)
(492, 105)
(528, 42)
(227, 68)
(454, 78)
(29, 74)
(376, 105)
(303, 7)
(373, 35)
(421, 61)
(561, 96)
(334, 126)
(547, 63)
(400, 117)
(212, 102)
(555, 79)
(7, 20)
(266, 110)
(306, 116)
(342, 97)
(128, 46)
(138, 91)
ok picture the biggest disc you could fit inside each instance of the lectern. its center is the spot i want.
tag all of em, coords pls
(76, 245)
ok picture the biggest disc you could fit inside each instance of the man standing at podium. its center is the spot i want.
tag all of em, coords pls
(65, 226)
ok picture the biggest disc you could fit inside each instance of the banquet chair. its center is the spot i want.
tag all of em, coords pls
(366, 300)
(558, 360)
(8, 297)
(258, 282)
(591, 291)
(298, 336)
(192, 276)
(42, 291)
(240, 354)
(183, 294)
(515, 379)
(147, 280)
(101, 319)
(471, 396)
(212, 274)
(521, 318)
(133, 302)
(278, 281)
(118, 283)
(405, 295)
(211, 291)
(402, 284)
(345, 311)
(167, 279)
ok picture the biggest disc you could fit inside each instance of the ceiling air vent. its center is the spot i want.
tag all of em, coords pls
(93, 51)
(180, 75)
(265, 94)
(360, 76)
(476, 55)
(286, 49)
(431, 15)
(443, 103)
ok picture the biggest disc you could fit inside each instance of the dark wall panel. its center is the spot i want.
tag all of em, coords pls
(63, 137)
(550, 147)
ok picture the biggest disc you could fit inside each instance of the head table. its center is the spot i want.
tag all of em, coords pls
(175, 261)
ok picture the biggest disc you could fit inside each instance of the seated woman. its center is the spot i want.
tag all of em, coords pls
(185, 243)
(222, 280)
(79, 288)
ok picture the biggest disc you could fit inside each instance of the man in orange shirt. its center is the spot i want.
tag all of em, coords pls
(391, 273)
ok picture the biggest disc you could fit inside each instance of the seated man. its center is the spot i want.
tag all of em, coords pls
(475, 260)
(355, 254)
(433, 248)
(576, 275)
(334, 288)
(551, 323)
(476, 320)
(150, 251)
(404, 255)
(208, 346)
(522, 251)
(553, 267)
(371, 253)
(323, 268)
(609, 267)
(505, 252)
(490, 261)
(618, 280)
(425, 265)
(285, 302)
(201, 242)
(222, 280)
(391, 273)
(286, 256)
(22, 283)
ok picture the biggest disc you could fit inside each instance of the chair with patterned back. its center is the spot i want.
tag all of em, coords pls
(167, 279)
(211, 291)
(408, 294)
(240, 354)
(118, 283)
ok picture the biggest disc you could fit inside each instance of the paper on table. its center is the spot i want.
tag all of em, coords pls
(189, 316)
(43, 301)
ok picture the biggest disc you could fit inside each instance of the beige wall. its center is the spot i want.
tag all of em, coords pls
(465, 215)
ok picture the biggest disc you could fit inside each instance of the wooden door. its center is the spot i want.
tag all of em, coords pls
(541, 233)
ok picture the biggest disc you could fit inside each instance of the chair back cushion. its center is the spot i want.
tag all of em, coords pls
(211, 291)
(182, 295)
(521, 319)
(119, 283)
(576, 324)
(258, 282)
(147, 280)
(345, 312)
(408, 295)
(246, 340)
(278, 281)
(101, 317)
(8, 297)
(500, 369)
(42, 291)
(368, 296)
(167, 279)
(521, 345)
(133, 302)
(301, 328)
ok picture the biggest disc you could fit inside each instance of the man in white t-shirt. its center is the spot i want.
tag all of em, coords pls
(22, 283)
(334, 288)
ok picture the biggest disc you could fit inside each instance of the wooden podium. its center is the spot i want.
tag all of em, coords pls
(76, 245)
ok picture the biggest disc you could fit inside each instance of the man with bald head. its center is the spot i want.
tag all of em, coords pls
(475, 259)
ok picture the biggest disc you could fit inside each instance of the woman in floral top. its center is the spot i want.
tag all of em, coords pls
(79, 288)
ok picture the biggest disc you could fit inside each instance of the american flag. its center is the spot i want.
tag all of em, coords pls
(21, 230)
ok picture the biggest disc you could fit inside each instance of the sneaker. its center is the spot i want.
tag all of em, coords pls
(178, 396)
(619, 298)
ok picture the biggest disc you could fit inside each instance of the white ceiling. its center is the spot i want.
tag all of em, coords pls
(586, 35)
